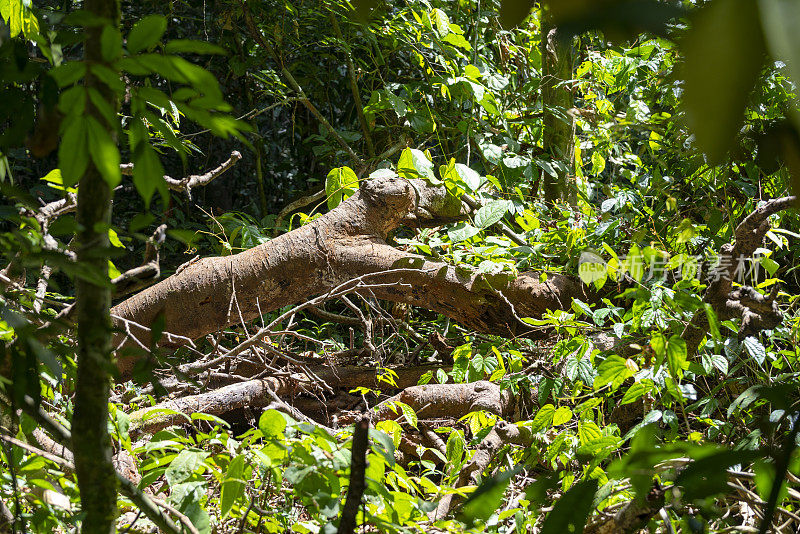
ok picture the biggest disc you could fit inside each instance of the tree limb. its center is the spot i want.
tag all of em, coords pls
(358, 466)
(188, 183)
(347, 243)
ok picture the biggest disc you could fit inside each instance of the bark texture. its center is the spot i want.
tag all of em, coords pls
(358, 467)
(756, 311)
(226, 397)
(97, 480)
(347, 242)
(558, 127)
(431, 401)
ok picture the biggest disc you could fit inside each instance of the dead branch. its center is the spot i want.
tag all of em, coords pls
(430, 401)
(188, 183)
(756, 311)
(148, 272)
(258, 393)
(296, 205)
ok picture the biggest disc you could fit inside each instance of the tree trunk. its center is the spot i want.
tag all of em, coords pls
(558, 129)
(348, 242)
(97, 479)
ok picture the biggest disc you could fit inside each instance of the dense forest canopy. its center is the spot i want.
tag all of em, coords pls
(354, 266)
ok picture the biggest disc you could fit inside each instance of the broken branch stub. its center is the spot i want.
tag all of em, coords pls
(346, 243)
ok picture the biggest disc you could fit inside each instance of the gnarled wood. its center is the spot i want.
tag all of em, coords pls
(347, 242)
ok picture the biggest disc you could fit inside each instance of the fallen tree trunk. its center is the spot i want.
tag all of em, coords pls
(256, 394)
(347, 242)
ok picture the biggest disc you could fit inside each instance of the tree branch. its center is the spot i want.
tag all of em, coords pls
(194, 180)
(358, 466)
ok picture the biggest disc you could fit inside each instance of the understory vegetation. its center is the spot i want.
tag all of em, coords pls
(425, 266)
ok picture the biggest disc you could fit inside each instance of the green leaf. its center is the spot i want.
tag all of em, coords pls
(187, 46)
(686, 231)
(111, 43)
(455, 448)
(398, 104)
(408, 413)
(146, 33)
(105, 153)
(598, 449)
(472, 179)
(755, 349)
(104, 107)
(232, 485)
(570, 512)
(414, 163)
(588, 431)
(491, 213)
(148, 173)
(183, 466)
(12, 13)
(676, 356)
(73, 154)
(562, 415)
(724, 52)
(614, 370)
(591, 268)
(713, 321)
(745, 399)
(440, 21)
(68, 73)
(765, 478)
(487, 498)
(271, 424)
(340, 185)
(720, 362)
(544, 418)
(659, 344)
(770, 265)
(461, 232)
(637, 390)
(458, 41)
(634, 263)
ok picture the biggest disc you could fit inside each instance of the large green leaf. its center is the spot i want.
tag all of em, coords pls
(148, 173)
(272, 424)
(487, 498)
(414, 163)
(544, 418)
(73, 154)
(724, 53)
(104, 152)
(187, 46)
(570, 511)
(676, 356)
(146, 33)
(232, 485)
(614, 370)
(491, 213)
(183, 466)
(340, 185)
